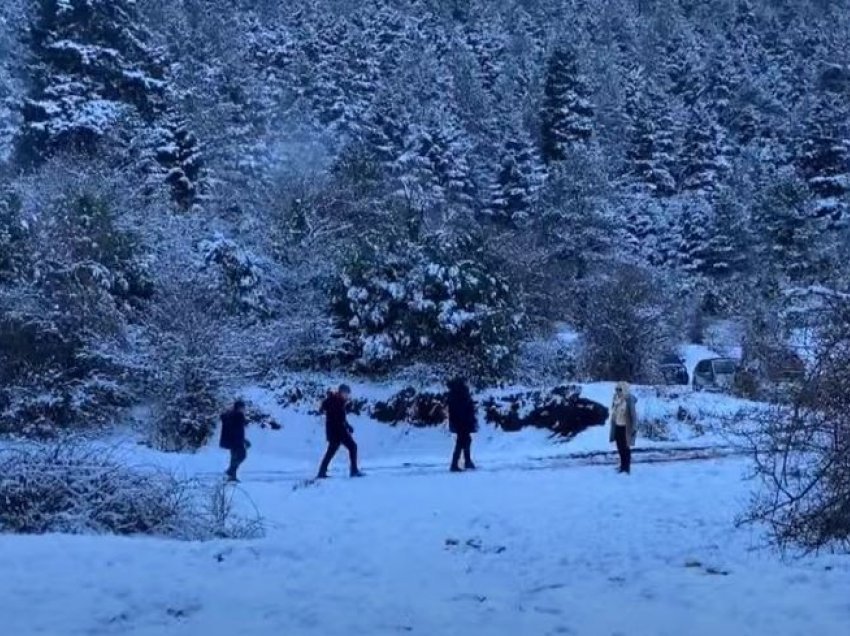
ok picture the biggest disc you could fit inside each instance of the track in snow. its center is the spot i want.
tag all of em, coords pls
(554, 462)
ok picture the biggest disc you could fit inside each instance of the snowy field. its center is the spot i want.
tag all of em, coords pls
(545, 539)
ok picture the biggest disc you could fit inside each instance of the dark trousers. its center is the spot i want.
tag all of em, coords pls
(237, 456)
(463, 444)
(623, 448)
(333, 447)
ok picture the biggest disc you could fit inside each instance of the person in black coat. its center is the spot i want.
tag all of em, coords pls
(462, 422)
(233, 423)
(338, 431)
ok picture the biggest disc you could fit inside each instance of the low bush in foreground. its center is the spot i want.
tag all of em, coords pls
(71, 488)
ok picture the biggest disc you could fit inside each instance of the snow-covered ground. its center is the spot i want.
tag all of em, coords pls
(542, 540)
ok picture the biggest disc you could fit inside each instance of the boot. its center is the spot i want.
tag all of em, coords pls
(357, 473)
(455, 469)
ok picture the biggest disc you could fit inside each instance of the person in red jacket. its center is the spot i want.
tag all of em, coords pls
(338, 431)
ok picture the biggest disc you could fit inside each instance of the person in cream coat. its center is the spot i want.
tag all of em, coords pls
(624, 424)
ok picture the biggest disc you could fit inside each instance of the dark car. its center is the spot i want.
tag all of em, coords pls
(673, 370)
(674, 374)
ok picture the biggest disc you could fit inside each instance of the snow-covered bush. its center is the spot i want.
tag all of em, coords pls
(73, 276)
(73, 488)
(189, 340)
(629, 318)
(238, 274)
(399, 307)
(186, 415)
(545, 360)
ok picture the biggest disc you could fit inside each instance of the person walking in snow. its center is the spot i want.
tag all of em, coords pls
(233, 423)
(338, 431)
(462, 422)
(624, 424)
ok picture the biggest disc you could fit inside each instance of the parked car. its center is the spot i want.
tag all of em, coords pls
(674, 374)
(715, 374)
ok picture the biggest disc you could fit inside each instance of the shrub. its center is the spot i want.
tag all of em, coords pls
(238, 274)
(628, 321)
(71, 488)
(545, 361)
(70, 277)
(409, 305)
(802, 449)
(186, 417)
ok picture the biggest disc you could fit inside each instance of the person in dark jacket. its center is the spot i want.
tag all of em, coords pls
(338, 431)
(462, 422)
(233, 423)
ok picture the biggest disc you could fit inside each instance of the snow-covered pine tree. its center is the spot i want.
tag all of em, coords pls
(567, 117)
(749, 97)
(93, 69)
(785, 235)
(180, 157)
(91, 66)
(574, 216)
(824, 157)
(322, 67)
(651, 146)
(384, 135)
(705, 152)
(728, 246)
(519, 175)
(443, 170)
(12, 19)
(642, 225)
(694, 236)
(682, 63)
(486, 39)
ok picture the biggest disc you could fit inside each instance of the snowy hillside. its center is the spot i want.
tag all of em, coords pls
(543, 539)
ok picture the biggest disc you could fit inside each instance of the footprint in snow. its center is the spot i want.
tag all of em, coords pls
(475, 544)
(713, 571)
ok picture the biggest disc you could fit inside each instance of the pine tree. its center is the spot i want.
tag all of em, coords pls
(91, 67)
(486, 41)
(729, 243)
(650, 145)
(824, 158)
(644, 224)
(180, 160)
(519, 174)
(443, 168)
(322, 72)
(694, 236)
(567, 117)
(10, 85)
(93, 72)
(574, 216)
(705, 154)
(785, 235)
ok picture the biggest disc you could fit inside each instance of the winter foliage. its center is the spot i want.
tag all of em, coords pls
(409, 305)
(196, 191)
(73, 489)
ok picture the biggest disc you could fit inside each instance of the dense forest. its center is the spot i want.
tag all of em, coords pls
(195, 192)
